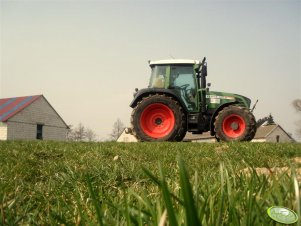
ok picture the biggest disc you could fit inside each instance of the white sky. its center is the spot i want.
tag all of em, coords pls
(87, 57)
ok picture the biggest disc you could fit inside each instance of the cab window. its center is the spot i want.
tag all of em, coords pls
(182, 79)
(158, 76)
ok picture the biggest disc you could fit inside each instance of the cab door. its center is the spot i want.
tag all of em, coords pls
(183, 80)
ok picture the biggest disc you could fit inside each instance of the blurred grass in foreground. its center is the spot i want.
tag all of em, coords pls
(146, 183)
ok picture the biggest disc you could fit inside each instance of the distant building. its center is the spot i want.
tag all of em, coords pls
(30, 118)
(272, 133)
(126, 136)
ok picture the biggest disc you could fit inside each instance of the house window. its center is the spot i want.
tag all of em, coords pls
(40, 132)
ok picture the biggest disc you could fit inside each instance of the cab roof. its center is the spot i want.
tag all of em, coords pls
(174, 61)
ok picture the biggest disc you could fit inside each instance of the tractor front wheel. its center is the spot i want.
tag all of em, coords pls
(158, 118)
(235, 123)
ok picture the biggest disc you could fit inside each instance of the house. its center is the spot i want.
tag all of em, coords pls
(126, 136)
(272, 133)
(30, 118)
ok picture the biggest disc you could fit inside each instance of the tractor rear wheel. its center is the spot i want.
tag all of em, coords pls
(235, 123)
(158, 118)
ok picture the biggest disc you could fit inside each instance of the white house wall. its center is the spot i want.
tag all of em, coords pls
(259, 140)
(125, 137)
(283, 137)
(23, 125)
(3, 131)
(21, 131)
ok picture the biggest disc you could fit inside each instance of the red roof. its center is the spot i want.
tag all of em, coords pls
(11, 106)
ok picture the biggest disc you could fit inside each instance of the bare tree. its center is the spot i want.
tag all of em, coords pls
(117, 130)
(78, 133)
(297, 106)
(90, 135)
(70, 133)
(81, 133)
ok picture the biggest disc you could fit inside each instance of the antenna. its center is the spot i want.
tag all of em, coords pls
(171, 56)
(254, 106)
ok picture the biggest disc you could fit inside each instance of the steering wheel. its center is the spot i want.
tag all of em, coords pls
(184, 86)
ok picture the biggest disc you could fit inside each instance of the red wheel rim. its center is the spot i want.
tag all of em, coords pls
(157, 120)
(234, 126)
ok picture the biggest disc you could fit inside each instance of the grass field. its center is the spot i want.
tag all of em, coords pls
(51, 183)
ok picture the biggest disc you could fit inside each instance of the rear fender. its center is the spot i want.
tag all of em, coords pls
(152, 91)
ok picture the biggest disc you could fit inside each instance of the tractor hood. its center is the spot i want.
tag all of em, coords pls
(215, 99)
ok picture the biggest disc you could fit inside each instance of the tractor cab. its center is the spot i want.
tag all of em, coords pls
(178, 75)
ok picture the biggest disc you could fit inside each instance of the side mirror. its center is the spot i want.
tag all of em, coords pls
(208, 84)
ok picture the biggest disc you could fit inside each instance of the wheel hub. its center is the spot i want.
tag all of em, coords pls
(234, 125)
(158, 121)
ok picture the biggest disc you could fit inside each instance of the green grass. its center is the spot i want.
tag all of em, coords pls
(52, 183)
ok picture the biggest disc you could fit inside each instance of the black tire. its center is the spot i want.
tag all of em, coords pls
(181, 136)
(144, 115)
(235, 123)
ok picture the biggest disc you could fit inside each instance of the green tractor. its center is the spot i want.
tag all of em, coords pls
(178, 100)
